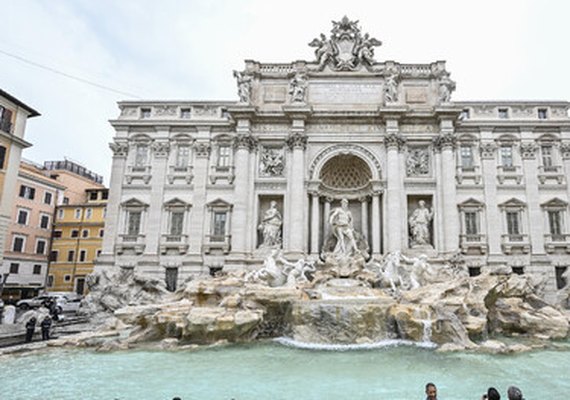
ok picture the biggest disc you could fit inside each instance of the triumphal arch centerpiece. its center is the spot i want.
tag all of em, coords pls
(342, 157)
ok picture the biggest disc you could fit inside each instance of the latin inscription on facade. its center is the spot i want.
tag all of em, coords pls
(343, 93)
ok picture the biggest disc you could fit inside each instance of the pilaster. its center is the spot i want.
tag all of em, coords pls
(493, 223)
(393, 142)
(529, 150)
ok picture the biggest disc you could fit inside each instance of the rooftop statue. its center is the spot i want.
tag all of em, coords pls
(346, 49)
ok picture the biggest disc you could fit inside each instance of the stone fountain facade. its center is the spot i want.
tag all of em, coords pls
(198, 187)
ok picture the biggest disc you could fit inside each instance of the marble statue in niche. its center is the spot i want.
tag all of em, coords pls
(270, 226)
(419, 223)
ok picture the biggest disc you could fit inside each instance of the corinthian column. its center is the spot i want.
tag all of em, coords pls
(315, 223)
(393, 142)
(202, 149)
(445, 143)
(297, 143)
(244, 143)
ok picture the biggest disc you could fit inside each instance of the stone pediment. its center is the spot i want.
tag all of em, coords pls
(471, 203)
(134, 203)
(513, 203)
(176, 203)
(555, 203)
(219, 203)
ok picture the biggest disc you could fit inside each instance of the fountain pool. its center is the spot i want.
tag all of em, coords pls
(275, 371)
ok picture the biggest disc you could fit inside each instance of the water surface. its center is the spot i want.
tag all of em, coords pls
(274, 371)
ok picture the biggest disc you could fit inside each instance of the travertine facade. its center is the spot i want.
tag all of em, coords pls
(192, 181)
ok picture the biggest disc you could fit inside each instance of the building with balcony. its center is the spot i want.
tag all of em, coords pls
(13, 118)
(191, 180)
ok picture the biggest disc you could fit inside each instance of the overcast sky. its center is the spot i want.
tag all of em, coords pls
(186, 50)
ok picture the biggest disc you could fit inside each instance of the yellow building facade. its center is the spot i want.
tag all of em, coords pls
(77, 241)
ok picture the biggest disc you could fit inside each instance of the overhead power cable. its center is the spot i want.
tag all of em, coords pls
(55, 71)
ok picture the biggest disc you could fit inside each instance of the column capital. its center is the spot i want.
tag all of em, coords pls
(394, 140)
(161, 148)
(445, 141)
(528, 150)
(565, 150)
(119, 148)
(202, 149)
(245, 141)
(487, 150)
(297, 141)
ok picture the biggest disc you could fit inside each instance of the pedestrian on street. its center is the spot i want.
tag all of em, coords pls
(46, 325)
(30, 328)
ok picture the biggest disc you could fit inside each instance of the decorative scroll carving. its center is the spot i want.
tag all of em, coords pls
(394, 140)
(271, 162)
(165, 111)
(488, 149)
(244, 86)
(202, 149)
(565, 150)
(417, 162)
(160, 149)
(119, 149)
(528, 150)
(346, 49)
(298, 88)
(445, 140)
(297, 141)
(247, 142)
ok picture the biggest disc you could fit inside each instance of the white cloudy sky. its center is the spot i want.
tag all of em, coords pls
(175, 49)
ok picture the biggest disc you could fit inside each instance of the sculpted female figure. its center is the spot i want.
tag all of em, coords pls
(419, 224)
(270, 226)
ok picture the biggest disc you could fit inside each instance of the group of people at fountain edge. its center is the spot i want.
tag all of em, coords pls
(513, 393)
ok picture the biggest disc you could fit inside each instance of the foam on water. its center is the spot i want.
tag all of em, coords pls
(285, 341)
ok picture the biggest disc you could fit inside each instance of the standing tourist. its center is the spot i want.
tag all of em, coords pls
(30, 328)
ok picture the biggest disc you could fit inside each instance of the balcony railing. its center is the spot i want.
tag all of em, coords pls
(177, 243)
(177, 172)
(468, 174)
(509, 172)
(559, 241)
(138, 172)
(217, 242)
(473, 243)
(511, 242)
(550, 172)
(222, 172)
(134, 243)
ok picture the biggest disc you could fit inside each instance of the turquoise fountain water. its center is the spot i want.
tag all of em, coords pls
(274, 371)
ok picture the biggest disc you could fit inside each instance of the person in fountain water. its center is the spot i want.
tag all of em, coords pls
(431, 391)
(492, 394)
(514, 393)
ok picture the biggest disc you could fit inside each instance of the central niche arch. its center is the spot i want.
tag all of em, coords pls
(345, 172)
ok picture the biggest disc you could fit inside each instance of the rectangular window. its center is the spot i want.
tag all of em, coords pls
(507, 156)
(141, 155)
(60, 213)
(70, 256)
(471, 227)
(77, 214)
(98, 252)
(14, 268)
(176, 222)
(40, 246)
(104, 195)
(513, 219)
(50, 281)
(2, 156)
(560, 279)
(23, 217)
(53, 255)
(56, 234)
(185, 113)
(18, 245)
(224, 156)
(547, 160)
(74, 233)
(101, 232)
(219, 226)
(518, 270)
(145, 112)
(37, 269)
(182, 156)
(555, 223)
(67, 278)
(92, 195)
(466, 157)
(27, 192)
(542, 113)
(89, 213)
(47, 197)
(503, 113)
(66, 200)
(82, 255)
(465, 114)
(44, 222)
(134, 223)
(85, 233)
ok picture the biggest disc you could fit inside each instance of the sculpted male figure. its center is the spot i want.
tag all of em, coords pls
(270, 226)
(340, 220)
(419, 224)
